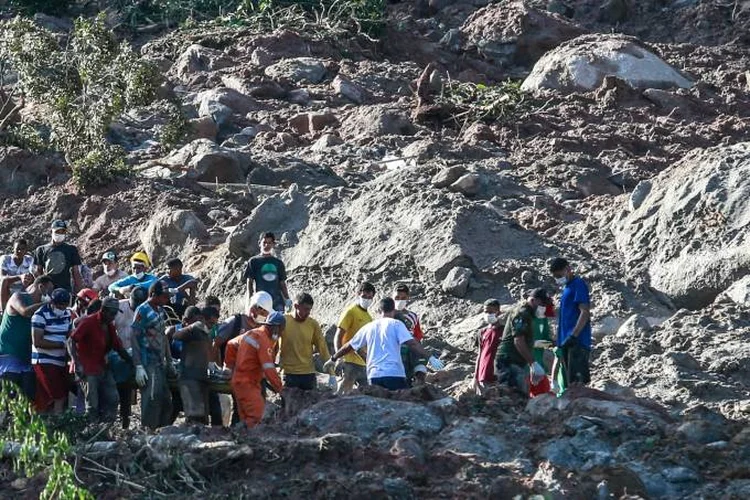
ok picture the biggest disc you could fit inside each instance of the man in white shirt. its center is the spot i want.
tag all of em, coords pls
(15, 272)
(383, 338)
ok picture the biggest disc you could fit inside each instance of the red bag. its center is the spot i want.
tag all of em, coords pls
(543, 387)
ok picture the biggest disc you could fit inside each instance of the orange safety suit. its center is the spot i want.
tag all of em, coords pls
(253, 363)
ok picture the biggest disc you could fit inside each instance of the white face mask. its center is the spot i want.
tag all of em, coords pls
(562, 280)
(58, 237)
(111, 272)
(541, 312)
(260, 318)
(364, 303)
(490, 318)
(58, 312)
(401, 304)
(139, 275)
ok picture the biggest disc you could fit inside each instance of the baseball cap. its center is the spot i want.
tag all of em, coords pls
(541, 295)
(276, 318)
(110, 256)
(60, 296)
(111, 303)
(87, 294)
(59, 224)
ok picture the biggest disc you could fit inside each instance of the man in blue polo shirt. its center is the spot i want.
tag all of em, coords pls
(574, 323)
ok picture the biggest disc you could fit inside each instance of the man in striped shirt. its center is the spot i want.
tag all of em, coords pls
(50, 327)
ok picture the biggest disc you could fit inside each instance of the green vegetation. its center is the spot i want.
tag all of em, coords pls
(35, 449)
(31, 7)
(478, 102)
(82, 87)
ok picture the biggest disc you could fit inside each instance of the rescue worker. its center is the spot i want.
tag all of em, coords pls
(124, 373)
(152, 358)
(515, 363)
(89, 344)
(384, 338)
(181, 286)
(15, 341)
(139, 264)
(267, 273)
(253, 364)
(542, 345)
(488, 341)
(301, 335)
(15, 272)
(59, 260)
(573, 323)
(261, 305)
(353, 367)
(415, 367)
(111, 273)
(50, 327)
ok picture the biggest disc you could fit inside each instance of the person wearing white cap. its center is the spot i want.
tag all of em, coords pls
(111, 272)
(261, 305)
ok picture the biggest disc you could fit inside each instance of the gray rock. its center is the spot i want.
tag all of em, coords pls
(680, 475)
(367, 122)
(561, 8)
(467, 184)
(685, 234)
(325, 142)
(476, 436)
(448, 176)
(635, 326)
(294, 171)
(197, 58)
(639, 194)
(366, 417)
(204, 160)
(239, 103)
(739, 291)
(457, 281)
(299, 96)
(348, 89)
(614, 11)
(300, 69)
(20, 168)
(581, 65)
(585, 450)
(280, 213)
(170, 233)
(221, 114)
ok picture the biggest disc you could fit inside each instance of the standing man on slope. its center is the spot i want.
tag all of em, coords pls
(352, 319)
(266, 273)
(59, 260)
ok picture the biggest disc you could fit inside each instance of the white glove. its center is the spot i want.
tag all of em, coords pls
(46, 299)
(435, 363)
(213, 367)
(542, 344)
(289, 304)
(332, 383)
(329, 367)
(537, 373)
(173, 291)
(555, 387)
(140, 376)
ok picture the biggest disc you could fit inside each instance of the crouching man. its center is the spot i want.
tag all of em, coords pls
(88, 345)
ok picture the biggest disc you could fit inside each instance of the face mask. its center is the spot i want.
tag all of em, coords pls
(260, 319)
(112, 272)
(59, 312)
(401, 304)
(541, 312)
(275, 337)
(139, 276)
(58, 237)
(562, 281)
(490, 318)
(364, 303)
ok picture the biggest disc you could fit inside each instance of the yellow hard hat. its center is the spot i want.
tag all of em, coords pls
(140, 257)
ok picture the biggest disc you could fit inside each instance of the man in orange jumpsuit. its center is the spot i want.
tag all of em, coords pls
(253, 363)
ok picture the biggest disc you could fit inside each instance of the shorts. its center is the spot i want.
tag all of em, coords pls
(306, 382)
(52, 383)
(391, 383)
(355, 373)
(194, 395)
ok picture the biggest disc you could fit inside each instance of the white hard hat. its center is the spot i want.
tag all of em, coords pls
(262, 300)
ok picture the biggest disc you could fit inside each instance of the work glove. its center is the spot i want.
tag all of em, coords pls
(140, 376)
(329, 367)
(555, 387)
(571, 341)
(213, 367)
(435, 363)
(537, 373)
(289, 304)
(542, 344)
(332, 383)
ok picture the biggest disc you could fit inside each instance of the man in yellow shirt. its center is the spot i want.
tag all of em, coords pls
(301, 335)
(355, 317)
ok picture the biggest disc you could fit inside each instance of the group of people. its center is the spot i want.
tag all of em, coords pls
(70, 335)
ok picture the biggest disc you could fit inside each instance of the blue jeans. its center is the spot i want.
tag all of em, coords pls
(390, 383)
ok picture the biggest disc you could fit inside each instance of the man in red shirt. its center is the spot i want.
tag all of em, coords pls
(93, 338)
(488, 341)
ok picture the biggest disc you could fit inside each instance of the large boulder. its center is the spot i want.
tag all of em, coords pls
(204, 160)
(281, 213)
(196, 59)
(299, 69)
(20, 169)
(172, 233)
(512, 33)
(581, 65)
(366, 417)
(689, 234)
(237, 102)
